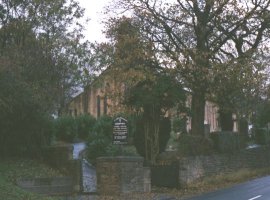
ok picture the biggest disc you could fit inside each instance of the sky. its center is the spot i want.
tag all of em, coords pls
(93, 10)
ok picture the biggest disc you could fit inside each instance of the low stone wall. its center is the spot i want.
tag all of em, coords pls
(122, 174)
(48, 186)
(61, 157)
(194, 168)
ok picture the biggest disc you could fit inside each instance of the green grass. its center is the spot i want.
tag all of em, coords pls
(14, 169)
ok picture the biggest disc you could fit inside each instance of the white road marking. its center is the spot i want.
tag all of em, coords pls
(255, 197)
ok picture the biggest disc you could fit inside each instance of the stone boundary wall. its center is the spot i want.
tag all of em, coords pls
(122, 174)
(194, 168)
(48, 186)
(61, 157)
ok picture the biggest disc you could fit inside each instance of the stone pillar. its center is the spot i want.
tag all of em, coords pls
(75, 169)
(121, 174)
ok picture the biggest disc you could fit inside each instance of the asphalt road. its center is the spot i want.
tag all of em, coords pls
(258, 189)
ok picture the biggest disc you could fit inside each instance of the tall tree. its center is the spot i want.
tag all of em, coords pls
(152, 99)
(126, 57)
(41, 58)
(54, 54)
(142, 85)
(238, 90)
(197, 36)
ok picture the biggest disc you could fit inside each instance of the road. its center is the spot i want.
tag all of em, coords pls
(258, 189)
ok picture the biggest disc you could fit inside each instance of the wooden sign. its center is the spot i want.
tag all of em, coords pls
(120, 131)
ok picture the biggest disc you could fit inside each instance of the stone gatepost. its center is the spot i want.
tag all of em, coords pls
(122, 174)
(75, 171)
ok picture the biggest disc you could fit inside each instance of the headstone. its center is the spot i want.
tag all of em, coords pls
(120, 131)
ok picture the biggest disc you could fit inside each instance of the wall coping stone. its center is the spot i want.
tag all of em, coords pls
(47, 186)
(121, 158)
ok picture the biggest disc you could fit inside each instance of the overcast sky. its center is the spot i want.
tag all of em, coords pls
(94, 10)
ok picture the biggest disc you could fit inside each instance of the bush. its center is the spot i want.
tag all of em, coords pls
(65, 128)
(190, 145)
(227, 141)
(179, 125)
(24, 125)
(100, 138)
(164, 135)
(68, 128)
(25, 134)
(262, 136)
(100, 141)
(104, 126)
(85, 125)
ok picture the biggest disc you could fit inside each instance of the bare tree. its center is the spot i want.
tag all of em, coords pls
(197, 37)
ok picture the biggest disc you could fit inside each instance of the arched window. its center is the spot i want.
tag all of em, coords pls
(98, 106)
(105, 105)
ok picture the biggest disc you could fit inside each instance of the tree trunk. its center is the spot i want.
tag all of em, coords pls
(146, 140)
(155, 140)
(197, 113)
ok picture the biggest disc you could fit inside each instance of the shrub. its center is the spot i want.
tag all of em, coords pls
(189, 145)
(25, 134)
(261, 136)
(227, 141)
(164, 135)
(179, 125)
(24, 125)
(85, 125)
(131, 126)
(65, 128)
(100, 138)
(68, 128)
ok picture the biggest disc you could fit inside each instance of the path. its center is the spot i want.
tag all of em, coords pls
(88, 171)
